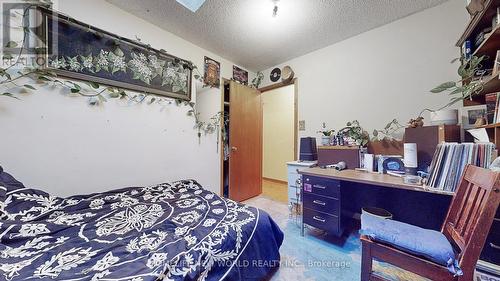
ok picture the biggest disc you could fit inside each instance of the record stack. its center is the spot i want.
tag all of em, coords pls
(450, 159)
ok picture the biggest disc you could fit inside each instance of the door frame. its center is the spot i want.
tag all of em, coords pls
(294, 82)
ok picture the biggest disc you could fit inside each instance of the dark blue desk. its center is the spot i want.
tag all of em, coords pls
(330, 198)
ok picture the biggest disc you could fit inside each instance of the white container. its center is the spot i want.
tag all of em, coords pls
(410, 155)
(325, 140)
(368, 161)
(444, 117)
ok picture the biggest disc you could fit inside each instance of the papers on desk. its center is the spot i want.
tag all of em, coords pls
(480, 135)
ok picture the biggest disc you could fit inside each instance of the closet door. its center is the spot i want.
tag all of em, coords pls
(245, 142)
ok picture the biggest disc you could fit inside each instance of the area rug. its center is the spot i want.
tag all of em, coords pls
(317, 256)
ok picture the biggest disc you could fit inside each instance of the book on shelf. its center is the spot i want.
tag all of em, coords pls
(450, 159)
(491, 107)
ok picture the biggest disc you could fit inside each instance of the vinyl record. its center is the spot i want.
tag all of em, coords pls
(275, 74)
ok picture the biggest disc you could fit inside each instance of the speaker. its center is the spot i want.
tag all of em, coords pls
(308, 150)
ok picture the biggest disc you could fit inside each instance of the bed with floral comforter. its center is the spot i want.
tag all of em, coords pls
(170, 231)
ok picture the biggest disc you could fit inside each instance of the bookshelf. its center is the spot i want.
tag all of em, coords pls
(488, 47)
(479, 21)
(490, 126)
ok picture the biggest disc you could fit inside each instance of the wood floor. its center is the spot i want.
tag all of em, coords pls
(275, 191)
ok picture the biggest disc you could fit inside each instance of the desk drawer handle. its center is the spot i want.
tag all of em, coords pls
(298, 182)
(496, 247)
(319, 186)
(319, 202)
(318, 219)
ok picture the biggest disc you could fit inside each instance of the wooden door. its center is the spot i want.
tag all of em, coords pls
(245, 142)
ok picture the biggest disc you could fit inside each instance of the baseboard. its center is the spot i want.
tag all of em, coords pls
(275, 180)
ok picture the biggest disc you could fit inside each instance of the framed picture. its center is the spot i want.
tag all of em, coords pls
(212, 73)
(470, 114)
(240, 75)
(80, 51)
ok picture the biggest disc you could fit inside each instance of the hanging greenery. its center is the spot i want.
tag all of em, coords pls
(144, 68)
(257, 80)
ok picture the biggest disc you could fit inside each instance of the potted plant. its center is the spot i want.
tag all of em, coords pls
(471, 83)
(326, 135)
(356, 133)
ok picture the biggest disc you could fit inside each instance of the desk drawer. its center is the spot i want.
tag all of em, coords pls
(328, 223)
(292, 194)
(292, 179)
(491, 249)
(323, 204)
(321, 186)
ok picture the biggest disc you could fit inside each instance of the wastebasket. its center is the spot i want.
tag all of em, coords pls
(377, 212)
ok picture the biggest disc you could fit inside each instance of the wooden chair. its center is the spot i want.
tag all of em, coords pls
(466, 226)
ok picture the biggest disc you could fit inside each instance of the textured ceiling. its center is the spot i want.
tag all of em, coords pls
(245, 32)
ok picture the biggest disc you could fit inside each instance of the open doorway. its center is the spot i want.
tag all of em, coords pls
(279, 123)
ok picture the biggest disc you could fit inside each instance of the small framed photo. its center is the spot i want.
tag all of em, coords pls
(470, 115)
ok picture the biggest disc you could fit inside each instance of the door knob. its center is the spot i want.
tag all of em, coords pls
(234, 148)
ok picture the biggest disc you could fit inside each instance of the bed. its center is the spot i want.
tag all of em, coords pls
(169, 231)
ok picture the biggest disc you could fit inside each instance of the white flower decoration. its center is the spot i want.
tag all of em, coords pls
(156, 260)
(218, 211)
(104, 263)
(96, 204)
(209, 222)
(31, 230)
(72, 202)
(190, 239)
(201, 207)
(179, 231)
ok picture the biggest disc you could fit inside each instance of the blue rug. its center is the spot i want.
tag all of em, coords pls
(318, 256)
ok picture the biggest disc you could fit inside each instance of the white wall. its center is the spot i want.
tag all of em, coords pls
(278, 110)
(62, 145)
(382, 74)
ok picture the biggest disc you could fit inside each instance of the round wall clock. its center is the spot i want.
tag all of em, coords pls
(275, 74)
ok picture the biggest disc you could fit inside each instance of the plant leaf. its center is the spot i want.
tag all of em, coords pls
(43, 78)
(443, 87)
(117, 51)
(10, 96)
(11, 44)
(29, 87)
(101, 98)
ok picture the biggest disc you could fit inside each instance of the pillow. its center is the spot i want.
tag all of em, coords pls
(9, 181)
(430, 244)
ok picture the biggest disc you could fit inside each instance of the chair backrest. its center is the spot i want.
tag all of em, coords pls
(471, 213)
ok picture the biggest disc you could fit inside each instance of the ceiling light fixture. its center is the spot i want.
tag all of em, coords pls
(275, 9)
(192, 5)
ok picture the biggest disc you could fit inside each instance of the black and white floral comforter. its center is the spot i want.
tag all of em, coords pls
(176, 231)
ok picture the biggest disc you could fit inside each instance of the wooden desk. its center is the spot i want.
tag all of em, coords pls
(369, 178)
(330, 198)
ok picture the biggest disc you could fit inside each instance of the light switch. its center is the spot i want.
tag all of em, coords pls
(302, 125)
